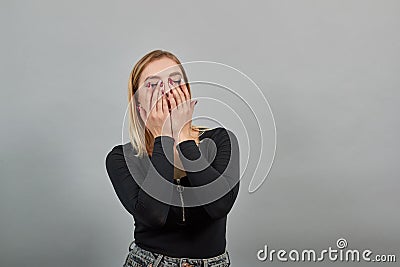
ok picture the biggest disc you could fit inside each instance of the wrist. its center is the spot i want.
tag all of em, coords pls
(162, 134)
(183, 135)
(182, 138)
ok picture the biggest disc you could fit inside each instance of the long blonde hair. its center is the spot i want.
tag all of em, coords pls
(144, 144)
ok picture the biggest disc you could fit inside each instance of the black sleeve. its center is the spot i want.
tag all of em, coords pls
(225, 166)
(135, 200)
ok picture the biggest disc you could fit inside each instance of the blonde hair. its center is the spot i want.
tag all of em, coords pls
(144, 143)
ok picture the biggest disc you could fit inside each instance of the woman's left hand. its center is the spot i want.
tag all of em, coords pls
(181, 111)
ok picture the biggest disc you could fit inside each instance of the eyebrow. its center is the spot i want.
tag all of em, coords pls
(158, 77)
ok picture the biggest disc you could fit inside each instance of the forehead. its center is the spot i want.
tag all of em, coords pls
(160, 67)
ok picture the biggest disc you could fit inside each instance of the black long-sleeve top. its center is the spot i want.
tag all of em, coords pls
(159, 227)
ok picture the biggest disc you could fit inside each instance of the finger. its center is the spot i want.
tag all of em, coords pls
(167, 94)
(172, 101)
(176, 97)
(185, 91)
(148, 94)
(181, 95)
(161, 97)
(142, 113)
(193, 104)
(174, 91)
(154, 96)
(165, 104)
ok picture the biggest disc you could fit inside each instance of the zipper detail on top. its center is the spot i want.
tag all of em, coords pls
(180, 190)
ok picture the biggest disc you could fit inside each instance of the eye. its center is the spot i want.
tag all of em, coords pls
(177, 81)
(153, 85)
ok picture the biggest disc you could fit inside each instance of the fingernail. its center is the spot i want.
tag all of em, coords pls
(170, 81)
(148, 84)
(195, 102)
(162, 91)
(161, 84)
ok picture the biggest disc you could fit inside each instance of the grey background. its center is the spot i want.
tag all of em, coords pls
(329, 69)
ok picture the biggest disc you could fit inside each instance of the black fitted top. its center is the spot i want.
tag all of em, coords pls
(176, 231)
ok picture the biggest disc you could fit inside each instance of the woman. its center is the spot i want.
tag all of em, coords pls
(161, 132)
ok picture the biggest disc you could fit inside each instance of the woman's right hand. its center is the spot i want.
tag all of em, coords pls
(155, 114)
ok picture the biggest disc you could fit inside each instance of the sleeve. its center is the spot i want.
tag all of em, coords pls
(136, 201)
(225, 166)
